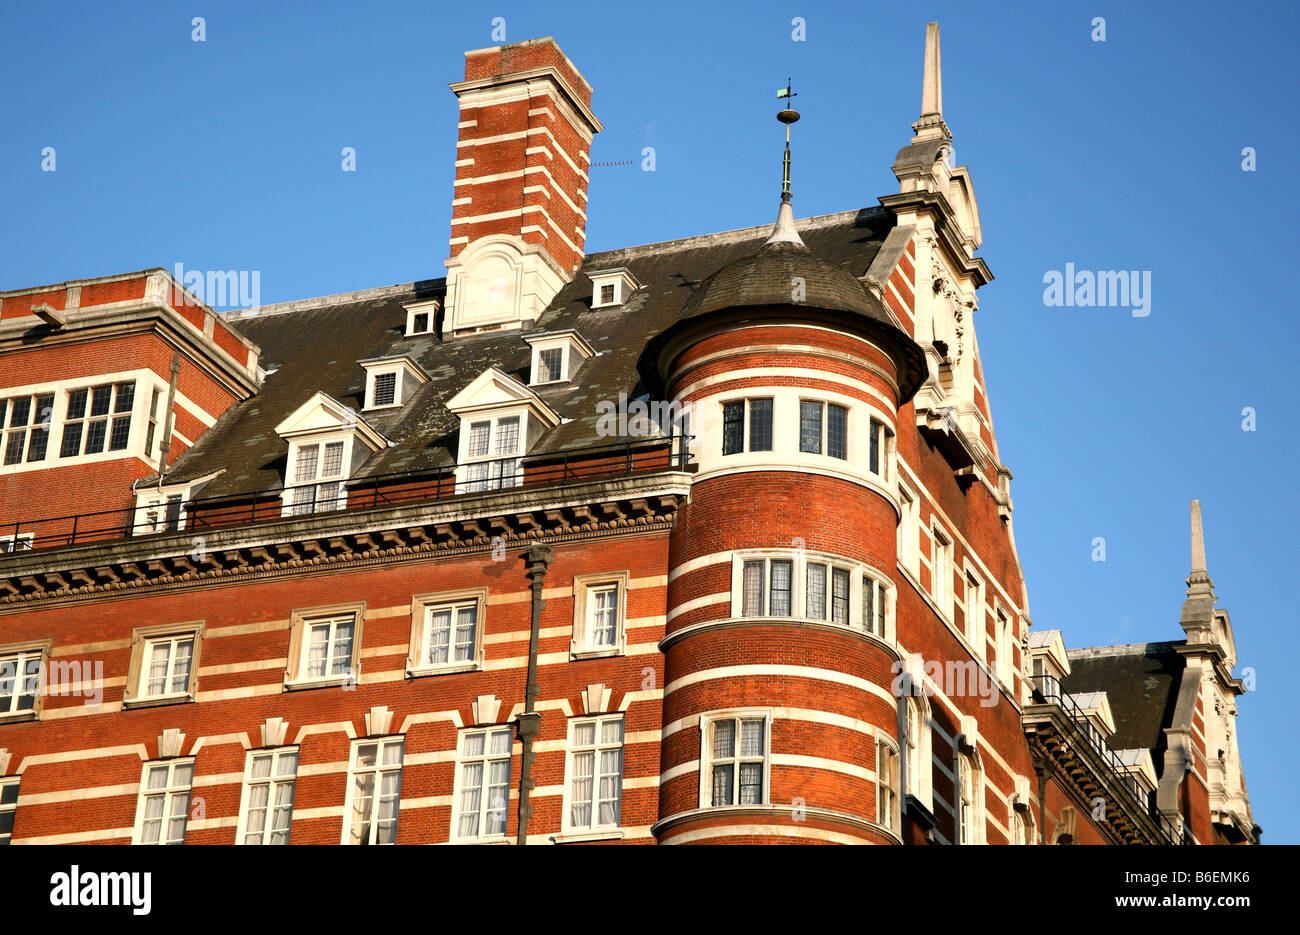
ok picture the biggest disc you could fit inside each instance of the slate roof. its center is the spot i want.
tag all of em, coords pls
(314, 346)
(1141, 682)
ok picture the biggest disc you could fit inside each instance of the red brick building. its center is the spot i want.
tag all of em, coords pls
(700, 541)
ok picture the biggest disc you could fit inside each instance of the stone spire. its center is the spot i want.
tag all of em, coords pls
(930, 126)
(1198, 582)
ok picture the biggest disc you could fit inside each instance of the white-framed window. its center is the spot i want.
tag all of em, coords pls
(970, 799)
(383, 389)
(325, 646)
(599, 614)
(164, 806)
(491, 453)
(8, 807)
(941, 570)
(909, 527)
(550, 365)
(318, 471)
(1005, 641)
(887, 811)
(448, 631)
(767, 587)
(164, 664)
(169, 661)
(25, 427)
(481, 798)
(823, 428)
(747, 425)
(17, 543)
(421, 317)
(880, 449)
(374, 791)
(973, 626)
(811, 586)
(159, 513)
(594, 791)
(917, 741)
(97, 419)
(20, 680)
(266, 809)
(735, 758)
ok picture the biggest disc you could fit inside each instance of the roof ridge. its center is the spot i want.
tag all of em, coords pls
(737, 234)
(1125, 649)
(411, 288)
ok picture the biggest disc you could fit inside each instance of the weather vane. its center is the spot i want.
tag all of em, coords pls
(787, 117)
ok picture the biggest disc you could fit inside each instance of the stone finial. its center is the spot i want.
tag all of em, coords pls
(931, 126)
(1198, 582)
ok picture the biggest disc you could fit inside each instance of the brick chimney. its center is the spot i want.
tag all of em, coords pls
(519, 211)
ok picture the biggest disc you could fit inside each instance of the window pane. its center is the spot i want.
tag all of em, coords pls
(817, 591)
(760, 425)
(99, 400)
(873, 462)
(77, 404)
(722, 785)
(478, 439)
(306, 467)
(751, 738)
(810, 427)
(120, 434)
(733, 428)
(782, 572)
(501, 741)
(95, 432)
(548, 364)
(751, 603)
(612, 731)
(868, 603)
(333, 463)
(840, 596)
(385, 389)
(751, 783)
(439, 636)
(724, 740)
(125, 397)
(71, 445)
(837, 431)
(507, 436)
(466, 624)
(261, 766)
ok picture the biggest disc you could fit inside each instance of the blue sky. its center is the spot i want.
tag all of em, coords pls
(1117, 155)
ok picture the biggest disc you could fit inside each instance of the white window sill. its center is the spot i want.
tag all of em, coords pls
(494, 840)
(448, 669)
(28, 714)
(578, 836)
(148, 701)
(576, 652)
(332, 682)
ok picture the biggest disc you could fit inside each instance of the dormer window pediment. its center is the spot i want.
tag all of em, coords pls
(390, 381)
(557, 356)
(610, 287)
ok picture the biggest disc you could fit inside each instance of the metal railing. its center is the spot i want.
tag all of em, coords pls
(1047, 690)
(559, 469)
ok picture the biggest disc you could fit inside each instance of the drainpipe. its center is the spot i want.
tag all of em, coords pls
(539, 559)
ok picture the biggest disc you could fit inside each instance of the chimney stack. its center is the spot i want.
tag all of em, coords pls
(519, 212)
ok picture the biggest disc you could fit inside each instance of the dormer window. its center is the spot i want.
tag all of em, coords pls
(500, 419)
(612, 287)
(327, 443)
(391, 380)
(420, 317)
(556, 356)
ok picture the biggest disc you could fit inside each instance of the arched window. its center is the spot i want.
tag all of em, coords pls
(969, 797)
(916, 734)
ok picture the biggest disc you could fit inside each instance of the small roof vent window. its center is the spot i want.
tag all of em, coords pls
(612, 287)
(390, 381)
(557, 356)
